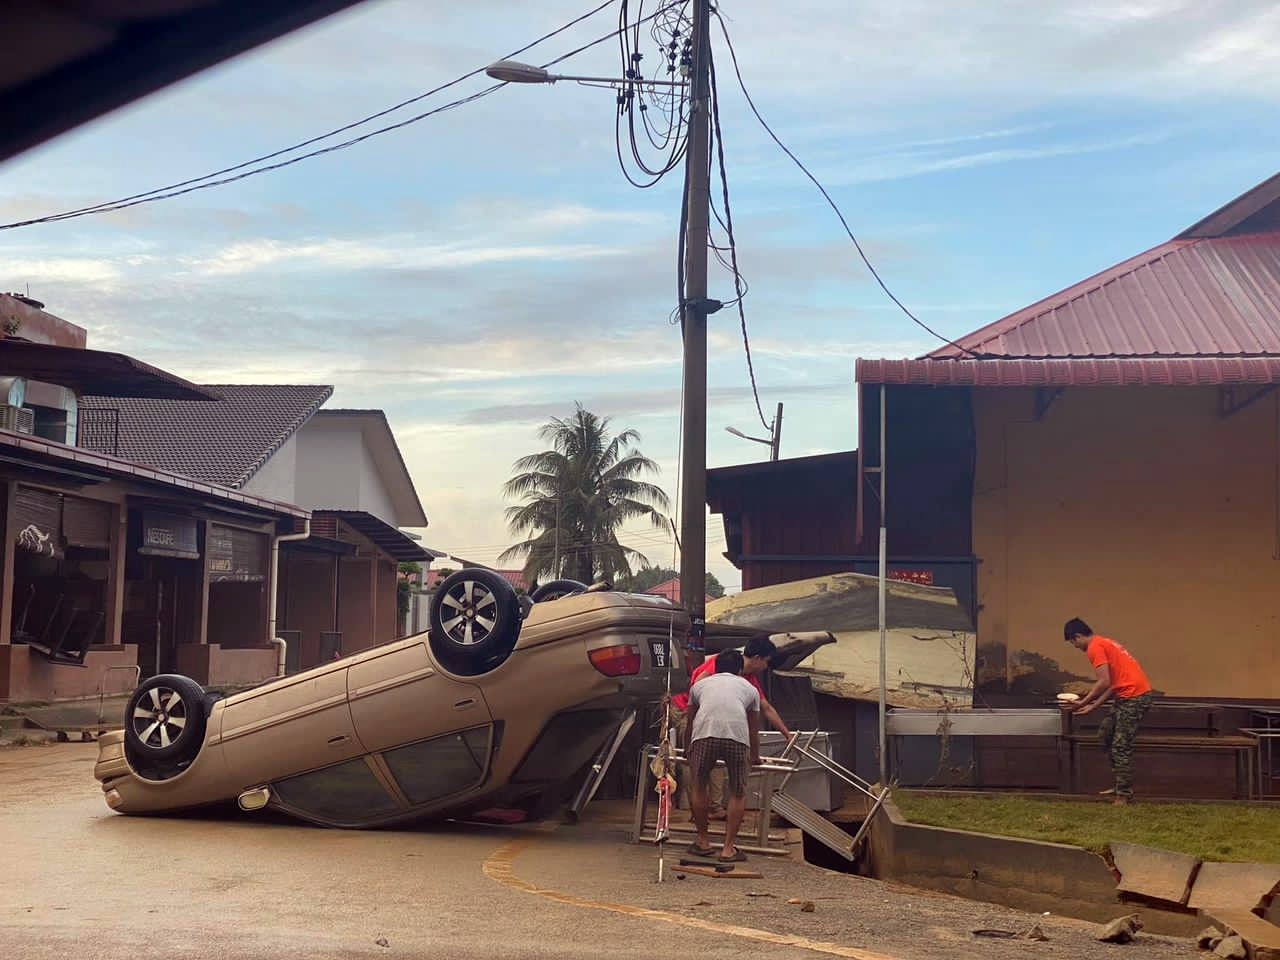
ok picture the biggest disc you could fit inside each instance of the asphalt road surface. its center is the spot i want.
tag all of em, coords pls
(83, 883)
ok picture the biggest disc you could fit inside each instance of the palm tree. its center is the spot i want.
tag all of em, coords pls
(585, 487)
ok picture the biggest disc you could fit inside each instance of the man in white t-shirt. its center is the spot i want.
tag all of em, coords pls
(724, 724)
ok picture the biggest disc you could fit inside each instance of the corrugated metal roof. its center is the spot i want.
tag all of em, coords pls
(1206, 297)
(225, 442)
(1098, 372)
(94, 371)
(396, 544)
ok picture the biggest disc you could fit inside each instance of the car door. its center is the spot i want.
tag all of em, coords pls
(400, 697)
(289, 726)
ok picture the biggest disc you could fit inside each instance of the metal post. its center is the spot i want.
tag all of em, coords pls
(556, 562)
(777, 433)
(883, 590)
(693, 480)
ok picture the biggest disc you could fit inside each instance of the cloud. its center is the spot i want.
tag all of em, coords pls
(389, 254)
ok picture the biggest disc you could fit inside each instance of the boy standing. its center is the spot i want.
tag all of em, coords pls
(1119, 675)
(724, 725)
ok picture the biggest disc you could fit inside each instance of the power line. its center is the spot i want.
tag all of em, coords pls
(738, 283)
(823, 190)
(207, 181)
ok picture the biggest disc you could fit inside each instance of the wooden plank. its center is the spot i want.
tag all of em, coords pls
(723, 874)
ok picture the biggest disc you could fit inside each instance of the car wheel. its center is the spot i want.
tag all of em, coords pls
(555, 589)
(475, 620)
(165, 720)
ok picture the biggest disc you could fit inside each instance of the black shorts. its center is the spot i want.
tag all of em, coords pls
(703, 755)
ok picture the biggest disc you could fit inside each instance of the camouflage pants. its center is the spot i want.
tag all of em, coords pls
(1118, 733)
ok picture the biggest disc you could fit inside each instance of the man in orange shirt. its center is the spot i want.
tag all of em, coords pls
(1119, 677)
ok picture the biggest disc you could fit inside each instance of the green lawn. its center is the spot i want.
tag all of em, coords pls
(1209, 831)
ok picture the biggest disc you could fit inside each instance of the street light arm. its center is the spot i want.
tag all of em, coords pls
(513, 71)
(738, 433)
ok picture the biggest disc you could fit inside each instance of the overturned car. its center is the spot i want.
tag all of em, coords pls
(499, 703)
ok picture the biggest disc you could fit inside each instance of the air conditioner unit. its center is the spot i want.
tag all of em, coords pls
(17, 419)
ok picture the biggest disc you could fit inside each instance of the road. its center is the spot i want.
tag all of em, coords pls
(87, 884)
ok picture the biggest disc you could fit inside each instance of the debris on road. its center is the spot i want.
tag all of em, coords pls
(382, 942)
(1122, 930)
(1231, 947)
(1033, 933)
(1209, 938)
(807, 907)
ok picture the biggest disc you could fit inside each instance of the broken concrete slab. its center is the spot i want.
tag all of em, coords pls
(1243, 885)
(1121, 930)
(1261, 939)
(929, 645)
(1232, 948)
(1154, 873)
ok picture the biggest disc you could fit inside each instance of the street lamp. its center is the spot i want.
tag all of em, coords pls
(513, 71)
(695, 308)
(775, 434)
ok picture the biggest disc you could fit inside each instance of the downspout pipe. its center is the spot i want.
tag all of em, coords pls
(279, 642)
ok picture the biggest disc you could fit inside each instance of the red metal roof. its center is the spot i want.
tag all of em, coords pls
(1204, 297)
(513, 577)
(671, 590)
(1101, 372)
(37, 450)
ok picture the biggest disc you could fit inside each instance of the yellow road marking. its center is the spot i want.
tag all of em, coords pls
(499, 867)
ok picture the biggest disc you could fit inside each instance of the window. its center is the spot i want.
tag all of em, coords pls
(344, 793)
(441, 767)
(568, 742)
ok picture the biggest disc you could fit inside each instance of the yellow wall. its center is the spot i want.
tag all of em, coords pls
(1141, 511)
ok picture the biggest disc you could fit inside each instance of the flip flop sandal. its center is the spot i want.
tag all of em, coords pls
(737, 857)
(698, 851)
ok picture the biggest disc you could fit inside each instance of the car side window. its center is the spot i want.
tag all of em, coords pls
(441, 767)
(345, 793)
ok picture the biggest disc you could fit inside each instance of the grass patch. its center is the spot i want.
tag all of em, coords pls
(1227, 832)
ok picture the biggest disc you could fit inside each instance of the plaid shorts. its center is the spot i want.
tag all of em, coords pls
(704, 753)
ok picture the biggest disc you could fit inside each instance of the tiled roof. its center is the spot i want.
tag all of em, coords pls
(224, 442)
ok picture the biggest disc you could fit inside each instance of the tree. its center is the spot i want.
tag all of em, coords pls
(648, 577)
(585, 487)
(715, 589)
(645, 578)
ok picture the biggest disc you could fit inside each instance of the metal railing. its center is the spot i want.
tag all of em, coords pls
(1266, 782)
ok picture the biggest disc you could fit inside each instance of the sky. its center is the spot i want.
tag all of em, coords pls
(480, 271)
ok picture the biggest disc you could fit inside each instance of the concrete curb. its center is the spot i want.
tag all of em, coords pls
(1026, 874)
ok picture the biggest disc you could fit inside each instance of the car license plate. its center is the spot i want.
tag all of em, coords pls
(659, 648)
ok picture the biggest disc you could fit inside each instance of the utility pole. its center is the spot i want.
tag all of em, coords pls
(777, 433)
(694, 310)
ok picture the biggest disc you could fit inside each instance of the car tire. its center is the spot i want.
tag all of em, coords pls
(475, 621)
(164, 723)
(556, 589)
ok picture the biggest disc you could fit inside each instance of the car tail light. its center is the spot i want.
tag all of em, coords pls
(617, 661)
